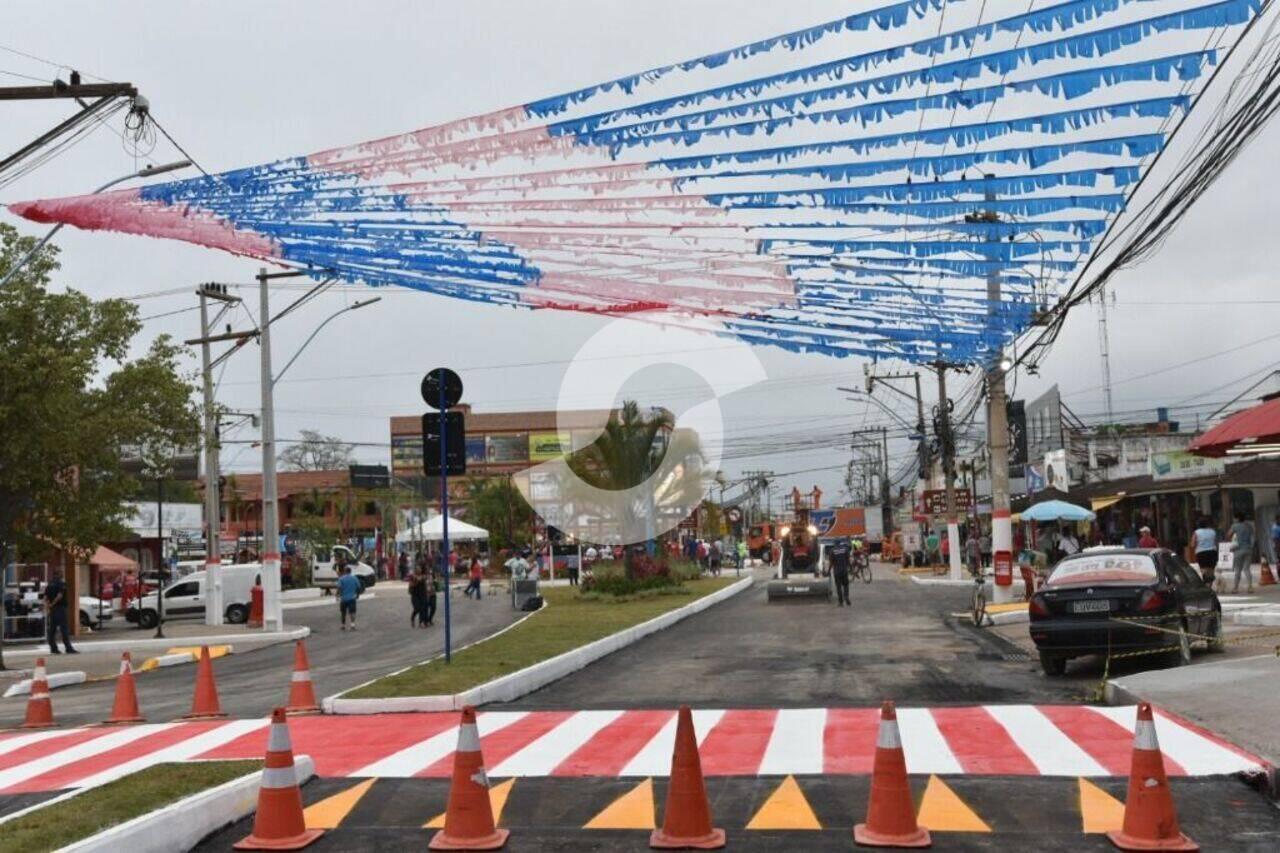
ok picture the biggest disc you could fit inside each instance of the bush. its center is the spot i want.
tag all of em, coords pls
(647, 574)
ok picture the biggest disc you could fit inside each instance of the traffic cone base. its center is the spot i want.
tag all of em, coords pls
(279, 823)
(468, 821)
(868, 838)
(39, 707)
(1150, 819)
(713, 840)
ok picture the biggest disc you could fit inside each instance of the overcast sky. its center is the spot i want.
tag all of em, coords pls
(239, 83)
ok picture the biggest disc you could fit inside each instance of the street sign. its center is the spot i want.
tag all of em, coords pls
(431, 385)
(455, 444)
(935, 501)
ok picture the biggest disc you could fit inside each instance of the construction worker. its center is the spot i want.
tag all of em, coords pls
(838, 555)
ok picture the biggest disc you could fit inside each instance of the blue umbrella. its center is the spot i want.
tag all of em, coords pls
(1056, 511)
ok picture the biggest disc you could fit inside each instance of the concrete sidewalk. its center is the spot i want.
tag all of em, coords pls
(1235, 699)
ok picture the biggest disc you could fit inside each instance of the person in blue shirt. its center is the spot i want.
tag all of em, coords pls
(348, 593)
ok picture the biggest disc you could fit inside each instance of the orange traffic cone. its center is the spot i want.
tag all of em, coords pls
(302, 698)
(204, 704)
(278, 824)
(468, 823)
(39, 706)
(125, 709)
(1150, 821)
(1267, 578)
(891, 815)
(686, 821)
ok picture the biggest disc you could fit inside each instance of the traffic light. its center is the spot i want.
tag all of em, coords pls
(455, 444)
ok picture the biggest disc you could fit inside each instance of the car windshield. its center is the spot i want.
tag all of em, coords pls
(1104, 568)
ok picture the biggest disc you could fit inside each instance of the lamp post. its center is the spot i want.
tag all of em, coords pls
(148, 172)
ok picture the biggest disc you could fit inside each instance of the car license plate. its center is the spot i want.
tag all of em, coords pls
(1101, 605)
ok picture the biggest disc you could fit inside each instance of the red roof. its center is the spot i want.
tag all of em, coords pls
(1259, 425)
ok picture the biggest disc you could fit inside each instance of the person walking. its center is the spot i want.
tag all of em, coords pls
(1242, 538)
(476, 572)
(838, 560)
(742, 553)
(418, 599)
(1205, 539)
(973, 552)
(348, 593)
(55, 604)
(429, 597)
(403, 566)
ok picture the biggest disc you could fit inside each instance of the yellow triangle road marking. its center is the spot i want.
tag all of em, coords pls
(944, 811)
(1099, 811)
(633, 810)
(497, 802)
(331, 811)
(786, 808)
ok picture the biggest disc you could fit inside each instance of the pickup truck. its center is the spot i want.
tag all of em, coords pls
(324, 568)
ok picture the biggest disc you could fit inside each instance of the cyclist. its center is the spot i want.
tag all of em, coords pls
(838, 555)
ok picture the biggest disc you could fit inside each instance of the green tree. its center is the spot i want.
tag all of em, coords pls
(497, 506)
(73, 401)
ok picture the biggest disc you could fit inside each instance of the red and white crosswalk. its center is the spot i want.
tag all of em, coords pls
(1033, 740)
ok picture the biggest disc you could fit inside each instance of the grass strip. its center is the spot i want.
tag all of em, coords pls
(115, 803)
(570, 621)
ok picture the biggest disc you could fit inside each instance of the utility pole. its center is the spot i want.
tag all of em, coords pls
(272, 612)
(886, 512)
(1104, 343)
(213, 608)
(922, 446)
(947, 446)
(997, 420)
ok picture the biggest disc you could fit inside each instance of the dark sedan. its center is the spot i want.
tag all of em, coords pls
(1116, 600)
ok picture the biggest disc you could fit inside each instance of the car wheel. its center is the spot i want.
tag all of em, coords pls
(1053, 665)
(1180, 655)
(1218, 643)
(237, 614)
(148, 619)
(85, 621)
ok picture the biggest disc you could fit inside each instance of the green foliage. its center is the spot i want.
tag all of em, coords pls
(497, 506)
(73, 399)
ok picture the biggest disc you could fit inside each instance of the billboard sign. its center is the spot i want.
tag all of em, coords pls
(1180, 465)
(935, 501)
(406, 452)
(1044, 424)
(507, 448)
(1016, 414)
(476, 450)
(549, 445)
(1057, 473)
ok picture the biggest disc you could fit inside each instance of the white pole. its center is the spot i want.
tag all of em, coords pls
(272, 612)
(213, 606)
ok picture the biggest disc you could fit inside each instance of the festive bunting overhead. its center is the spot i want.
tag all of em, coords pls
(854, 187)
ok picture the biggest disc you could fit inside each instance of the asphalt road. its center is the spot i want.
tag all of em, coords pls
(252, 683)
(896, 642)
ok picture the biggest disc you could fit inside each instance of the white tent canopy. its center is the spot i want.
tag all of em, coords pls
(432, 530)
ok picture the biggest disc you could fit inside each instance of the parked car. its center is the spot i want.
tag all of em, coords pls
(185, 598)
(1122, 600)
(324, 568)
(93, 610)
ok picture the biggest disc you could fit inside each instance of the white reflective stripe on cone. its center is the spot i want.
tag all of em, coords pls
(468, 739)
(278, 740)
(279, 777)
(301, 676)
(124, 667)
(39, 695)
(888, 737)
(40, 674)
(1144, 735)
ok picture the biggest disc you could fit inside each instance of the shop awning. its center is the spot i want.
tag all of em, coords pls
(106, 559)
(1104, 502)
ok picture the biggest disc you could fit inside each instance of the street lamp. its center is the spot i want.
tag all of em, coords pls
(335, 315)
(148, 172)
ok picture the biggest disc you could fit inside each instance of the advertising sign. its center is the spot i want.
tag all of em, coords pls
(507, 448)
(543, 487)
(935, 501)
(1057, 473)
(549, 445)
(911, 538)
(1179, 465)
(1043, 418)
(406, 451)
(475, 449)
(1016, 414)
(1034, 475)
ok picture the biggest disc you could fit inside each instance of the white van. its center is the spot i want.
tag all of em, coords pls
(184, 599)
(324, 568)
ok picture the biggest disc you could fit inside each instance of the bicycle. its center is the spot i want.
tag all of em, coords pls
(978, 602)
(861, 568)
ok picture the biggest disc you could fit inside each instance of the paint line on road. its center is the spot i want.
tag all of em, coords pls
(1196, 754)
(1052, 752)
(79, 752)
(927, 751)
(414, 759)
(18, 741)
(796, 743)
(545, 754)
(654, 758)
(187, 749)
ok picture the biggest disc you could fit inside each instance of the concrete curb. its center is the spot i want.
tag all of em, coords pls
(56, 679)
(1252, 616)
(1018, 587)
(169, 642)
(516, 684)
(182, 825)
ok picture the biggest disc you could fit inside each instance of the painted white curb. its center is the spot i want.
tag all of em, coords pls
(248, 636)
(182, 825)
(56, 679)
(516, 684)
(171, 660)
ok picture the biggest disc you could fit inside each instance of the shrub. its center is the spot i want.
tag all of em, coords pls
(647, 574)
